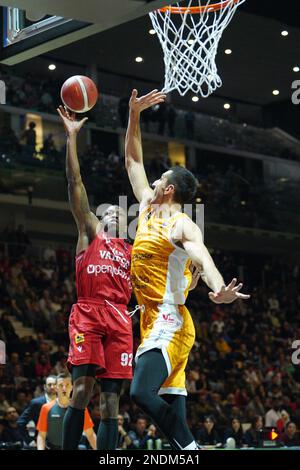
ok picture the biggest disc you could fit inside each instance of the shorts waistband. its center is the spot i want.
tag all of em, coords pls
(90, 300)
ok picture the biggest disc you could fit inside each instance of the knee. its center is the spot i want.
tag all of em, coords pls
(109, 405)
(81, 395)
(139, 396)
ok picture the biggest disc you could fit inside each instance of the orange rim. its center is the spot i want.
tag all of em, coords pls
(200, 9)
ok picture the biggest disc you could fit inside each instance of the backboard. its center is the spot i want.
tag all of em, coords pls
(31, 28)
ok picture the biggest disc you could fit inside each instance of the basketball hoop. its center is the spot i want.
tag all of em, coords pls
(189, 37)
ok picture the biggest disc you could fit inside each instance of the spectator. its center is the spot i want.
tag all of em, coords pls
(4, 405)
(283, 421)
(124, 440)
(11, 432)
(208, 434)
(140, 435)
(253, 437)
(29, 135)
(43, 366)
(290, 437)
(236, 432)
(273, 415)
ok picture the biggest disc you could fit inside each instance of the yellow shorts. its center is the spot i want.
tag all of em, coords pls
(171, 329)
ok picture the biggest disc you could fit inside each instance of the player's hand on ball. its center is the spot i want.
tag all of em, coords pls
(147, 101)
(72, 127)
(228, 294)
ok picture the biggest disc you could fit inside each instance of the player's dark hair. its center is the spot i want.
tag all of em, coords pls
(184, 182)
(64, 375)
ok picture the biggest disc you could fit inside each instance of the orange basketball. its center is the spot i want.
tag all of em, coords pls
(79, 94)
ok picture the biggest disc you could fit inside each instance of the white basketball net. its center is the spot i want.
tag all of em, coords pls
(190, 44)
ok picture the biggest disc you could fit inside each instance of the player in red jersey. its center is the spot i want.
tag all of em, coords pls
(99, 326)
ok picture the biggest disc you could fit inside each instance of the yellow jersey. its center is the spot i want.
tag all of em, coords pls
(159, 269)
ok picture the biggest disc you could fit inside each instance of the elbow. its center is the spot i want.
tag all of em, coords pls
(74, 181)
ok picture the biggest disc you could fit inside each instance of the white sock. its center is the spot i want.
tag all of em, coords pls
(192, 446)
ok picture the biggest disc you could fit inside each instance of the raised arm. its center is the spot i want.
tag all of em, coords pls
(85, 219)
(133, 143)
(189, 235)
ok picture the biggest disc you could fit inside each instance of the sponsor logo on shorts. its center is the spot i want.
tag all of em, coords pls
(79, 348)
(79, 338)
(167, 317)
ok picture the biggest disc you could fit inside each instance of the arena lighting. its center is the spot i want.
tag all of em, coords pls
(52, 67)
(139, 59)
(275, 92)
(152, 32)
(296, 69)
(195, 99)
(284, 33)
(227, 106)
(228, 51)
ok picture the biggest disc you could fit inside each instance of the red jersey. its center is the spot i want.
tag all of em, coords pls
(103, 270)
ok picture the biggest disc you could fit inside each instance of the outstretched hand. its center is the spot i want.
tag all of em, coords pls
(146, 101)
(68, 118)
(228, 294)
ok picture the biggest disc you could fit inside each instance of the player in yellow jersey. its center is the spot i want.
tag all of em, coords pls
(166, 243)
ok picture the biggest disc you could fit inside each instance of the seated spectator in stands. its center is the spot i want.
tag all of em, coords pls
(273, 415)
(236, 432)
(253, 435)
(49, 254)
(18, 376)
(208, 435)
(124, 440)
(192, 386)
(282, 422)
(140, 435)
(21, 401)
(11, 433)
(290, 437)
(43, 366)
(4, 405)
(28, 366)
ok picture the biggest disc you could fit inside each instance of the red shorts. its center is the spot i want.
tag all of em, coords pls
(101, 334)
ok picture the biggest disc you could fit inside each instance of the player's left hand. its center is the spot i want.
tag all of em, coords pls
(228, 294)
(196, 274)
(69, 120)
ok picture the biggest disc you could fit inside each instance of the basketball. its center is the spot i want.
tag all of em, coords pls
(79, 94)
